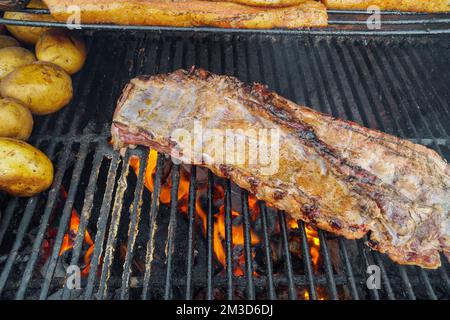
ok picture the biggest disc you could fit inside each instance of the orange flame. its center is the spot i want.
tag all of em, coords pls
(69, 239)
(219, 217)
(314, 249)
(313, 241)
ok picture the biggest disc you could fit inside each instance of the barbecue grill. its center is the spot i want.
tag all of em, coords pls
(143, 248)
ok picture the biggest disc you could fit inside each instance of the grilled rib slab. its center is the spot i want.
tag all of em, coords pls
(190, 13)
(335, 174)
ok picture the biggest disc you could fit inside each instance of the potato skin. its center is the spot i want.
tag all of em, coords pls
(24, 170)
(28, 35)
(16, 120)
(7, 41)
(62, 48)
(12, 58)
(41, 86)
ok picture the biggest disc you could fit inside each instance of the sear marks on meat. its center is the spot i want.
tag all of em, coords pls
(332, 173)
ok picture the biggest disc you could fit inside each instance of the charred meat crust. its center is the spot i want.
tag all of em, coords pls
(407, 221)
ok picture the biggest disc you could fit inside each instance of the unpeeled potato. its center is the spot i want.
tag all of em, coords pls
(7, 41)
(12, 58)
(63, 48)
(41, 86)
(15, 119)
(28, 35)
(24, 170)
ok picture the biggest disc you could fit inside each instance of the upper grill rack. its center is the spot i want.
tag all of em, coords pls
(341, 22)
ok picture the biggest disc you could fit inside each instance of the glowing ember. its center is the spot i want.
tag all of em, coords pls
(219, 217)
(314, 249)
(69, 239)
(237, 238)
(313, 241)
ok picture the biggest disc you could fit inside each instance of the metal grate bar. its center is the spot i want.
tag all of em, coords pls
(307, 262)
(294, 74)
(228, 240)
(24, 223)
(191, 230)
(390, 104)
(287, 256)
(133, 226)
(19, 237)
(329, 11)
(113, 229)
(53, 195)
(319, 75)
(445, 274)
(67, 211)
(154, 208)
(85, 215)
(363, 253)
(407, 283)
(426, 282)
(357, 93)
(338, 79)
(209, 235)
(269, 269)
(348, 269)
(385, 277)
(440, 113)
(332, 290)
(405, 71)
(368, 87)
(172, 230)
(390, 74)
(344, 22)
(102, 225)
(310, 72)
(8, 213)
(32, 202)
(50, 203)
(248, 247)
(422, 63)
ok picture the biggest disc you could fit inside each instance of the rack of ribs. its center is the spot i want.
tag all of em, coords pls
(335, 174)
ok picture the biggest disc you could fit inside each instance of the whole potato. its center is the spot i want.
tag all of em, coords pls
(24, 170)
(28, 35)
(62, 48)
(7, 41)
(41, 86)
(16, 120)
(12, 58)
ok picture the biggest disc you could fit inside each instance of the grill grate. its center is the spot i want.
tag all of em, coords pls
(397, 87)
(341, 22)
